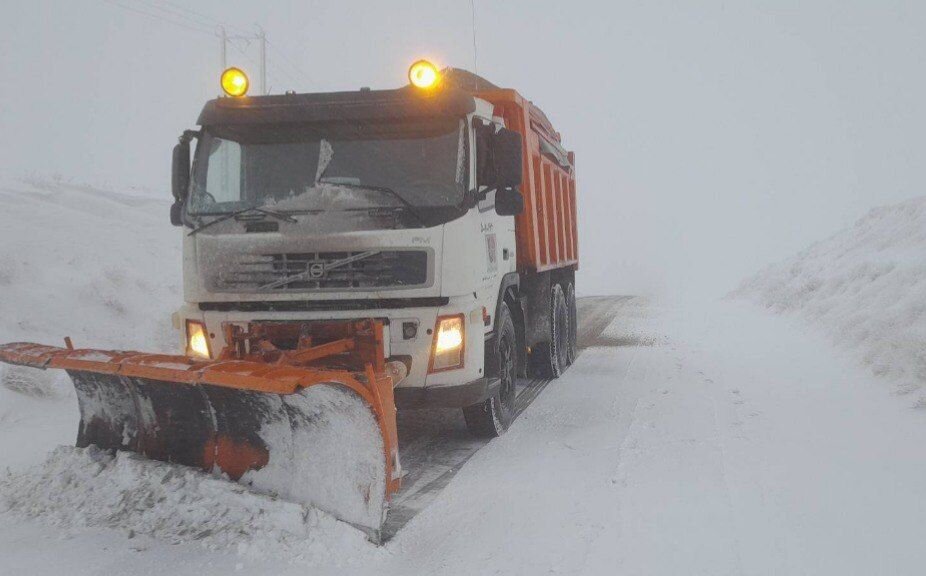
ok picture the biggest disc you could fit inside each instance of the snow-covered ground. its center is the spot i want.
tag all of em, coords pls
(722, 441)
(866, 288)
(99, 265)
(705, 439)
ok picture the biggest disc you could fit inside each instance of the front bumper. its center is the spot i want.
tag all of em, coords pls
(453, 396)
(416, 348)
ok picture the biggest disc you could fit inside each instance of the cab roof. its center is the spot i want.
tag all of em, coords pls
(402, 103)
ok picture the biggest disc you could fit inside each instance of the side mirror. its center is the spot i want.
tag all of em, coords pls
(498, 157)
(485, 155)
(508, 202)
(509, 159)
(180, 179)
(176, 210)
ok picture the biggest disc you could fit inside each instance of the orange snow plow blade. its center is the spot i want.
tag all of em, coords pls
(281, 420)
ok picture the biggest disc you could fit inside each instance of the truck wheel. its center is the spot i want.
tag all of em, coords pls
(549, 358)
(573, 322)
(561, 323)
(492, 417)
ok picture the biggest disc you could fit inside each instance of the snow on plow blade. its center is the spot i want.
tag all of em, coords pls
(284, 426)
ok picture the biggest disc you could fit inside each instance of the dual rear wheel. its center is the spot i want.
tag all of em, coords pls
(549, 360)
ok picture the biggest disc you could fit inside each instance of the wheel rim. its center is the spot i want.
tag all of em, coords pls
(573, 325)
(562, 335)
(506, 376)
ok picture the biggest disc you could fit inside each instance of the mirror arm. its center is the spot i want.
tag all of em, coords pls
(188, 136)
(470, 198)
(473, 196)
(180, 175)
(185, 138)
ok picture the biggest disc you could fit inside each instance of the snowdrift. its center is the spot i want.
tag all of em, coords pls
(99, 265)
(81, 488)
(865, 286)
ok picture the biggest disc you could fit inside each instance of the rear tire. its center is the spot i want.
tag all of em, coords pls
(493, 417)
(549, 358)
(573, 344)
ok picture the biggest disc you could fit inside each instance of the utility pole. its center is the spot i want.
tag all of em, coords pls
(262, 37)
(472, 5)
(224, 38)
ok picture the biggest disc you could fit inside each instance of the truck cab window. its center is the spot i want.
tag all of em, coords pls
(418, 166)
(223, 180)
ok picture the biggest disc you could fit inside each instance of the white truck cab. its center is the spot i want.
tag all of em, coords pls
(395, 205)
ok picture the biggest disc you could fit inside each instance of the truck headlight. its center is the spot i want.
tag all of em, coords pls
(197, 340)
(449, 339)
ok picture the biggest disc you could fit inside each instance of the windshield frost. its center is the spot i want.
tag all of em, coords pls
(420, 167)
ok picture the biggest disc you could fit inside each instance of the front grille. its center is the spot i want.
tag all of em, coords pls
(326, 271)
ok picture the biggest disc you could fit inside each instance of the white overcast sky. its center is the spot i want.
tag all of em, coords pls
(710, 137)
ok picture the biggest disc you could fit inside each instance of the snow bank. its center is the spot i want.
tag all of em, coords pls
(865, 286)
(80, 488)
(97, 264)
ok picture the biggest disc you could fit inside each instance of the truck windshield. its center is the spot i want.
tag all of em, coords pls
(416, 168)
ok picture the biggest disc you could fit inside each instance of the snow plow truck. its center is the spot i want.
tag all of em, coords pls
(345, 255)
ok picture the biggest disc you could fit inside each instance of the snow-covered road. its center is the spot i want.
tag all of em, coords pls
(435, 444)
(709, 439)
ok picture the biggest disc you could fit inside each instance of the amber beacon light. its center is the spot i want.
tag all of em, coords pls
(423, 74)
(235, 82)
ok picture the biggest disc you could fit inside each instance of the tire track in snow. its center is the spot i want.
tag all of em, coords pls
(437, 444)
(672, 479)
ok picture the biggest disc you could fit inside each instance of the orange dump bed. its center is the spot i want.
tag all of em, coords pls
(547, 236)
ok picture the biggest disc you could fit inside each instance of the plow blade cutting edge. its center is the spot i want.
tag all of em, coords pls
(319, 437)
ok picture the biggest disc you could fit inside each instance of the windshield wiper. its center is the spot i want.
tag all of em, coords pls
(230, 215)
(409, 207)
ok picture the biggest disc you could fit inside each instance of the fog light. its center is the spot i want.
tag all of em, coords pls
(449, 340)
(409, 330)
(197, 340)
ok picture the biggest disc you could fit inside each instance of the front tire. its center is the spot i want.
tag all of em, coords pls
(493, 417)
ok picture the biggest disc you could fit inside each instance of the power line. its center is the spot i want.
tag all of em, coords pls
(177, 15)
(173, 13)
(202, 17)
(472, 4)
(299, 71)
(160, 18)
(293, 79)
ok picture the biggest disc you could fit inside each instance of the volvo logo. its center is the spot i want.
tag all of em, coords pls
(316, 270)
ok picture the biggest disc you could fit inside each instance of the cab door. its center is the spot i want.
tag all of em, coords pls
(497, 232)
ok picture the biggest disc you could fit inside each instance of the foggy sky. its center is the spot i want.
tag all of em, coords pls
(710, 137)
